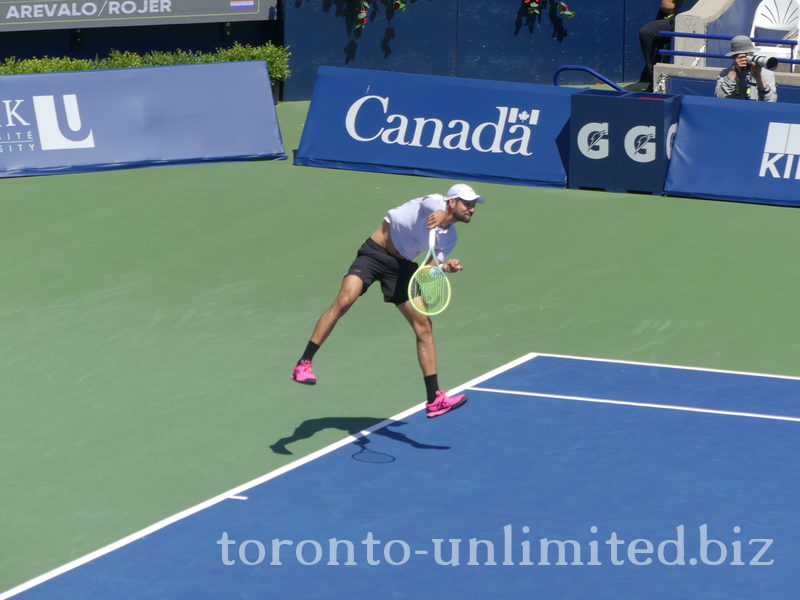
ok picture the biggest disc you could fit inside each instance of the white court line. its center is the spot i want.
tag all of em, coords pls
(646, 364)
(246, 486)
(642, 404)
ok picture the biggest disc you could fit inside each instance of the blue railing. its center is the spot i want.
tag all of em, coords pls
(587, 70)
(707, 36)
(674, 34)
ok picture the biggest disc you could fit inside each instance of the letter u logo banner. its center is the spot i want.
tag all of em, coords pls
(84, 121)
(51, 135)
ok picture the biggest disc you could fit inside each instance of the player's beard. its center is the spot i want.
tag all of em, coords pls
(464, 218)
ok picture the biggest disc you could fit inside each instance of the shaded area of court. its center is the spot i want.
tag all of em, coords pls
(653, 480)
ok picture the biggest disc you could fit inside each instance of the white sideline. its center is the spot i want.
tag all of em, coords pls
(238, 490)
(682, 367)
(642, 404)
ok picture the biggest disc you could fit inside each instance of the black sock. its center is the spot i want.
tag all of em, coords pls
(311, 350)
(431, 386)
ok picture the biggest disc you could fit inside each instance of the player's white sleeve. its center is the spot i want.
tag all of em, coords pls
(433, 202)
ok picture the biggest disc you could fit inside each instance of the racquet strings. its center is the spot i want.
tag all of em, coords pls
(430, 290)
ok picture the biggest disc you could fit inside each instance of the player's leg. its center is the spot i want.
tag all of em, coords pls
(437, 402)
(394, 284)
(362, 273)
(423, 329)
(352, 288)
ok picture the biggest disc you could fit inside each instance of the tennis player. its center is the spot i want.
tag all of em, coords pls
(387, 256)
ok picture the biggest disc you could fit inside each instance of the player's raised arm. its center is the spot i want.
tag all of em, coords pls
(434, 206)
(435, 219)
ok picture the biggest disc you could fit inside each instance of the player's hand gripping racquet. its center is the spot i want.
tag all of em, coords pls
(429, 288)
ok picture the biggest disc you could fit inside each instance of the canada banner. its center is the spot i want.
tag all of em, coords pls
(448, 127)
(98, 120)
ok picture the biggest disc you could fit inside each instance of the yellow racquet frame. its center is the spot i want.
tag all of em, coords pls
(429, 288)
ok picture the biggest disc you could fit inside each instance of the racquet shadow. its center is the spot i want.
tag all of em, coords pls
(353, 426)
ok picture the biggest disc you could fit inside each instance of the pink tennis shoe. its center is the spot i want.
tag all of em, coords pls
(303, 373)
(443, 404)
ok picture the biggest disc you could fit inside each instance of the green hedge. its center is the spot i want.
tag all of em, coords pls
(277, 58)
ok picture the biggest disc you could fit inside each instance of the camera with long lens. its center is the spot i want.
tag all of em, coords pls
(765, 62)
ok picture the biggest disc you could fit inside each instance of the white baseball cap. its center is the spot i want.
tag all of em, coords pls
(464, 192)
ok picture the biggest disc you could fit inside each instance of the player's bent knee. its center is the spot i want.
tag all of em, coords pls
(342, 305)
(423, 328)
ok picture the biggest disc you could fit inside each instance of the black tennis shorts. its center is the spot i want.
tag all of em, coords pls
(374, 263)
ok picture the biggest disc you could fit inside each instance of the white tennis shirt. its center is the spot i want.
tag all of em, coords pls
(409, 228)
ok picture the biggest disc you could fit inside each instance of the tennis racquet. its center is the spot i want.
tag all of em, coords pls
(429, 288)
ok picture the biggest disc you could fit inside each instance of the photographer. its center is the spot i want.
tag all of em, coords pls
(745, 79)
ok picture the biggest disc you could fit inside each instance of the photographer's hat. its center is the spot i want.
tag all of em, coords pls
(741, 44)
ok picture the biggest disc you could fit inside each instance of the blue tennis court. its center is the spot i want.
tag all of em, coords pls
(562, 477)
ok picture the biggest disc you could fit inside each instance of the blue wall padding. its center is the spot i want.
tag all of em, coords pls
(765, 146)
(478, 39)
(421, 41)
(705, 87)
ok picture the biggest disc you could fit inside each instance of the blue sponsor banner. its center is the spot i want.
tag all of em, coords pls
(97, 120)
(736, 150)
(437, 126)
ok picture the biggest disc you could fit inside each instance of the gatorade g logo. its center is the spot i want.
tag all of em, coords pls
(52, 136)
(639, 144)
(593, 140)
(673, 129)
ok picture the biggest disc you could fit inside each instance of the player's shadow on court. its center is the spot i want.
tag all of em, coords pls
(353, 426)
